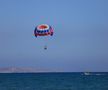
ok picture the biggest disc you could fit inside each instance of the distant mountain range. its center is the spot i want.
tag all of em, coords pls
(20, 70)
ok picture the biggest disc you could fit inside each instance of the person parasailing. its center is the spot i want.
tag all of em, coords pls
(43, 30)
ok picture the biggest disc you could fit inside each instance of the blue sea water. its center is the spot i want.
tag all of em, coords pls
(53, 81)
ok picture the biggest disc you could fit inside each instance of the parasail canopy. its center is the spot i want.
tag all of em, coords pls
(43, 30)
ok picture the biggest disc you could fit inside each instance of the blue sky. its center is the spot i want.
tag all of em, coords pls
(80, 41)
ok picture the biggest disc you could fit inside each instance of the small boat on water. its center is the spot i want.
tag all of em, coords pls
(87, 73)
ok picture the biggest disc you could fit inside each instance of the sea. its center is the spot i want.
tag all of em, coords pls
(54, 81)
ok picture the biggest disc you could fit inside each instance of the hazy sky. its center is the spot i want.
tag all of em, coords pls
(80, 41)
